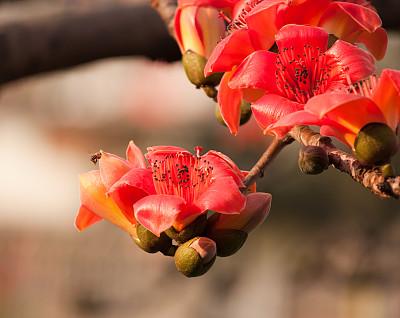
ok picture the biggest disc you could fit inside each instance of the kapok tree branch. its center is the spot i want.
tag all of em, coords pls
(166, 10)
(369, 177)
(266, 158)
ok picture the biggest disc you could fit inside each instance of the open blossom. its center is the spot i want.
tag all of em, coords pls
(280, 83)
(199, 26)
(343, 115)
(173, 188)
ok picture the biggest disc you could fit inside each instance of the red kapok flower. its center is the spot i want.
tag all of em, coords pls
(199, 26)
(302, 68)
(343, 115)
(172, 190)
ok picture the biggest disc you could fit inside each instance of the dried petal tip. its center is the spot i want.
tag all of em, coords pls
(195, 257)
(375, 144)
(313, 160)
(196, 228)
(151, 243)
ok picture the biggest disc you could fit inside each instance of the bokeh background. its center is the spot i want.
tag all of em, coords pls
(328, 249)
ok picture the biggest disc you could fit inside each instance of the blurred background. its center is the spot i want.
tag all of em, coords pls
(328, 249)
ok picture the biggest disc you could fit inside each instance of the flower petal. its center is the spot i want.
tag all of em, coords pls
(297, 36)
(158, 212)
(94, 198)
(304, 12)
(357, 63)
(229, 52)
(222, 196)
(387, 96)
(345, 19)
(376, 42)
(223, 167)
(229, 101)
(348, 110)
(285, 123)
(112, 168)
(270, 108)
(85, 218)
(135, 156)
(257, 71)
(340, 133)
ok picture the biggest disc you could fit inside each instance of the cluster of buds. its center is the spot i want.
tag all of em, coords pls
(191, 207)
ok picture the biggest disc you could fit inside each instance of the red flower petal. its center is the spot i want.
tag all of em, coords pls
(376, 42)
(339, 132)
(387, 96)
(305, 12)
(158, 212)
(112, 168)
(262, 21)
(257, 71)
(135, 156)
(357, 63)
(283, 125)
(223, 167)
(344, 19)
(85, 218)
(229, 101)
(222, 196)
(297, 36)
(270, 108)
(229, 52)
(348, 110)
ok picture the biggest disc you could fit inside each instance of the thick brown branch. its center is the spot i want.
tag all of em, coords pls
(370, 178)
(166, 10)
(80, 35)
(270, 153)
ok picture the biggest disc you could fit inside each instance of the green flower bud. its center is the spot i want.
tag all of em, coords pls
(193, 65)
(151, 243)
(245, 113)
(210, 91)
(195, 257)
(228, 241)
(313, 160)
(375, 144)
(196, 228)
(213, 80)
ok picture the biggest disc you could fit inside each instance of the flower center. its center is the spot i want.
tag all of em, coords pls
(365, 87)
(239, 21)
(300, 76)
(182, 174)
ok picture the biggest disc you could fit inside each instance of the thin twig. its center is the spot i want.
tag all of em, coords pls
(369, 177)
(266, 158)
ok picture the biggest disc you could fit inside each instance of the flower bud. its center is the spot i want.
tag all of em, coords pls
(151, 243)
(195, 257)
(245, 113)
(193, 65)
(230, 231)
(196, 228)
(375, 144)
(313, 160)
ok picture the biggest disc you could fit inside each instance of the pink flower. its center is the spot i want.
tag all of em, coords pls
(343, 115)
(198, 26)
(173, 189)
(280, 83)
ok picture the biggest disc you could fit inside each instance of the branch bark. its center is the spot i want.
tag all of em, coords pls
(369, 177)
(82, 35)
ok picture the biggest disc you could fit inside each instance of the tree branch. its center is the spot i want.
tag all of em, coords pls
(266, 158)
(81, 35)
(369, 177)
(166, 10)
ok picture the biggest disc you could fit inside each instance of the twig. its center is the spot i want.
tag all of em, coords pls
(270, 153)
(369, 177)
(166, 10)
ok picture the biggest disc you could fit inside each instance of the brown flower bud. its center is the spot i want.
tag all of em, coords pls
(195, 257)
(245, 113)
(375, 144)
(313, 160)
(228, 241)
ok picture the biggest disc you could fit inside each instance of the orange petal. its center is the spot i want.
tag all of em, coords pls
(85, 218)
(94, 198)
